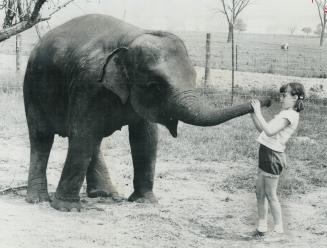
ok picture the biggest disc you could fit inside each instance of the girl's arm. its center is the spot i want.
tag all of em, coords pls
(269, 129)
(256, 122)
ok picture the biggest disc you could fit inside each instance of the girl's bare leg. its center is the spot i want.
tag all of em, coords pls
(262, 203)
(275, 207)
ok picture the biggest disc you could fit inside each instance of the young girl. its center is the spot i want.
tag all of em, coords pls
(273, 137)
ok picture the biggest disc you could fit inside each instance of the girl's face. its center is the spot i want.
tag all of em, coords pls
(287, 100)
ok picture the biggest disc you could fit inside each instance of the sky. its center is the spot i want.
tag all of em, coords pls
(262, 16)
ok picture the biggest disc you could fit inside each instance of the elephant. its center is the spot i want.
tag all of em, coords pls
(91, 76)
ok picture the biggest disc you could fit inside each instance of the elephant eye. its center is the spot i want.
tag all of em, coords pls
(152, 82)
(156, 85)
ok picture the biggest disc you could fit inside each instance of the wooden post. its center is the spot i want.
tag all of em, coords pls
(233, 62)
(233, 67)
(18, 51)
(236, 57)
(207, 64)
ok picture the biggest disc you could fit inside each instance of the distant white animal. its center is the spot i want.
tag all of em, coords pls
(284, 46)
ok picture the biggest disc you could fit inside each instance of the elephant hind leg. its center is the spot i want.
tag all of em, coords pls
(97, 177)
(37, 188)
(78, 158)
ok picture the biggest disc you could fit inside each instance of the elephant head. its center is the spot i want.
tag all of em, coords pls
(156, 76)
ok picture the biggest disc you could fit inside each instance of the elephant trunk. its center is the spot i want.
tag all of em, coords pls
(192, 109)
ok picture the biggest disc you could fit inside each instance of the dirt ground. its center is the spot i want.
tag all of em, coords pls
(194, 210)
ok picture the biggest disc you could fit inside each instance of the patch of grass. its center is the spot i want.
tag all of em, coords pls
(12, 121)
(245, 180)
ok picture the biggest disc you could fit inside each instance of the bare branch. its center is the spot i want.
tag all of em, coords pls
(10, 13)
(60, 7)
(36, 10)
(219, 11)
(243, 4)
(26, 21)
(12, 189)
(225, 11)
(322, 14)
(318, 7)
(231, 12)
(238, 3)
(18, 28)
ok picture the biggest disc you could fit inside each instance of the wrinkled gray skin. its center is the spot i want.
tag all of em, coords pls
(89, 77)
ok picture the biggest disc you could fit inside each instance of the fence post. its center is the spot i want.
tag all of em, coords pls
(18, 50)
(236, 58)
(233, 65)
(287, 64)
(207, 63)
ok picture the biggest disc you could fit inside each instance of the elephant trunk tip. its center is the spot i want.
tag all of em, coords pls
(173, 133)
(265, 101)
(172, 127)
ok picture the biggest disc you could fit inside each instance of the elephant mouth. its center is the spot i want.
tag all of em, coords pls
(171, 125)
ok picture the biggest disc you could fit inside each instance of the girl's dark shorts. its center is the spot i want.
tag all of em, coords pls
(270, 161)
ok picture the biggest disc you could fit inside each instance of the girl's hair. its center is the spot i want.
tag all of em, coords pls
(296, 89)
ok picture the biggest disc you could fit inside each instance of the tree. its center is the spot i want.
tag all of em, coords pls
(292, 29)
(22, 15)
(231, 9)
(306, 30)
(318, 30)
(322, 11)
(240, 25)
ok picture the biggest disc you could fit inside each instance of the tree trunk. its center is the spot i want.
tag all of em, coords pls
(18, 51)
(230, 30)
(322, 34)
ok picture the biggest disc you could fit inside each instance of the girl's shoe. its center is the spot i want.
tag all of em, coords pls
(262, 227)
(279, 229)
(259, 234)
(254, 235)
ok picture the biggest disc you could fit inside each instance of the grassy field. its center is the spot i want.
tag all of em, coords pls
(262, 53)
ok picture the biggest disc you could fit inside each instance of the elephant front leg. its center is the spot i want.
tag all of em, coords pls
(79, 156)
(97, 177)
(143, 138)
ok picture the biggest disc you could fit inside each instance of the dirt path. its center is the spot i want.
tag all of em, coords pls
(194, 210)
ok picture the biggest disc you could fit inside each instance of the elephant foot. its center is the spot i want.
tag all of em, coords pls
(95, 192)
(35, 197)
(147, 197)
(68, 205)
(101, 190)
(37, 193)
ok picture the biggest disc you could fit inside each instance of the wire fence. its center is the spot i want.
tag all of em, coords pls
(253, 54)
(261, 54)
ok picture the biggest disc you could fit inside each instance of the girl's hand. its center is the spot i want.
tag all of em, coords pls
(256, 105)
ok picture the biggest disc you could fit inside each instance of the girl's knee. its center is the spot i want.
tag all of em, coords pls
(260, 194)
(271, 196)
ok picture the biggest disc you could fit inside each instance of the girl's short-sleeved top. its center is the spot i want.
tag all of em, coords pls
(278, 141)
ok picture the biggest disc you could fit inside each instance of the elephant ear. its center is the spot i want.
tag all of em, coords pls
(113, 74)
